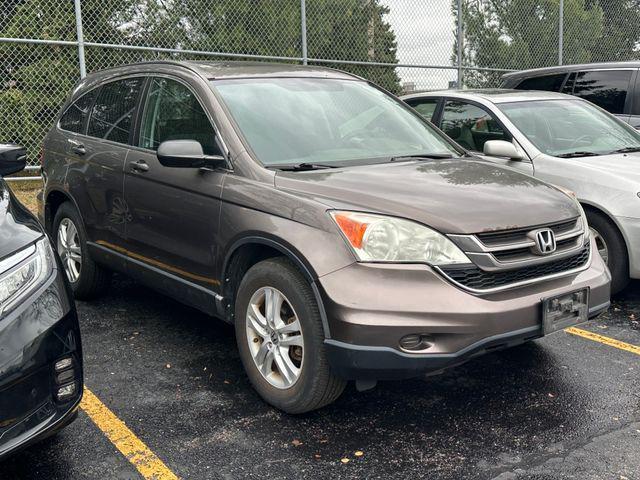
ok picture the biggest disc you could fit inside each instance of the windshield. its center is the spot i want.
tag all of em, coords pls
(328, 121)
(570, 127)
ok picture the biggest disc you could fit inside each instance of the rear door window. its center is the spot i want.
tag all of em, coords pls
(174, 113)
(75, 116)
(606, 88)
(112, 114)
(424, 106)
(549, 83)
(470, 125)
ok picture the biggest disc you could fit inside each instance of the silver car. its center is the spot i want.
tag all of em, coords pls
(560, 139)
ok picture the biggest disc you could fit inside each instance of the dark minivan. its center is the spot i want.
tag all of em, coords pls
(613, 86)
(343, 235)
(40, 351)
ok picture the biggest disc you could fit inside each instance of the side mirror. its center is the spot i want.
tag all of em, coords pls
(501, 148)
(187, 154)
(13, 158)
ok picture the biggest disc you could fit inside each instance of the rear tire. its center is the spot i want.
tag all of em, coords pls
(609, 240)
(87, 278)
(311, 385)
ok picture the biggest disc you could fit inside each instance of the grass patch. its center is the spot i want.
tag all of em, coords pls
(26, 192)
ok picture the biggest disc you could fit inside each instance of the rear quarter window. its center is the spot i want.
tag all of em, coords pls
(425, 106)
(75, 116)
(549, 83)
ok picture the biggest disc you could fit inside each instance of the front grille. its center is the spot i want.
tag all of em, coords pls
(524, 253)
(506, 237)
(474, 278)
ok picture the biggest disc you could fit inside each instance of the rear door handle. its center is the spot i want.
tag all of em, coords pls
(139, 166)
(77, 147)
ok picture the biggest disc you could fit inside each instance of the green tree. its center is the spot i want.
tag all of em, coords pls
(518, 34)
(620, 32)
(35, 79)
(336, 30)
(354, 30)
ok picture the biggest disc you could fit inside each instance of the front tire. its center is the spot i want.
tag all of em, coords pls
(87, 278)
(612, 248)
(281, 340)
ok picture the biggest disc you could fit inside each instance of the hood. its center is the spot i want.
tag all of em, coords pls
(625, 166)
(18, 227)
(452, 195)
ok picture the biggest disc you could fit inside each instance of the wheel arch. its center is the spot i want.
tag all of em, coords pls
(253, 248)
(605, 213)
(54, 198)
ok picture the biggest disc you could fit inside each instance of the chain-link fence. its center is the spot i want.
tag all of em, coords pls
(404, 45)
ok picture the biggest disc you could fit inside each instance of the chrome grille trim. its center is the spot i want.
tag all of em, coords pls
(483, 255)
(490, 254)
(506, 237)
(472, 243)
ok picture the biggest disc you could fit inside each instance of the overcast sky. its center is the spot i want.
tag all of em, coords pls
(425, 33)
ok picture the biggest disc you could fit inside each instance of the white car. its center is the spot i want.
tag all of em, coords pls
(561, 139)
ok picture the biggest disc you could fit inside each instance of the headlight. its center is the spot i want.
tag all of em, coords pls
(378, 238)
(23, 272)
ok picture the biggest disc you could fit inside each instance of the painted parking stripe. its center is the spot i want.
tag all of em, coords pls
(145, 461)
(602, 339)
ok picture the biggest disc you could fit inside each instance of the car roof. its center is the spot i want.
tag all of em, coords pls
(232, 69)
(493, 95)
(570, 68)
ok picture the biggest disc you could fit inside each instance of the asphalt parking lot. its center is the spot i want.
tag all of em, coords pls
(562, 407)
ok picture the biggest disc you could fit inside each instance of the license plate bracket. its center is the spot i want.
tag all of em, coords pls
(565, 310)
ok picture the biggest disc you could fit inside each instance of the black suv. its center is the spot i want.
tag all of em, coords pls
(613, 86)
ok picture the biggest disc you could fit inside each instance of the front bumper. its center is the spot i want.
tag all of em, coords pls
(41, 331)
(630, 228)
(369, 308)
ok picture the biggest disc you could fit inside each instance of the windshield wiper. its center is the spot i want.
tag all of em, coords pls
(422, 156)
(627, 150)
(578, 154)
(297, 167)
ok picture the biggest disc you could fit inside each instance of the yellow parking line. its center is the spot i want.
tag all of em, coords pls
(602, 339)
(147, 463)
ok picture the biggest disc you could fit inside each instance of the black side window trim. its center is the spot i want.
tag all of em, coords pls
(633, 105)
(570, 76)
(141, 104)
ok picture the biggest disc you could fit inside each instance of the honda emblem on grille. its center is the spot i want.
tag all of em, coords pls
(545, 241)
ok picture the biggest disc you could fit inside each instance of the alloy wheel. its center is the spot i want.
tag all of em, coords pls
(69, 249)
(275, 337)
(601, 245)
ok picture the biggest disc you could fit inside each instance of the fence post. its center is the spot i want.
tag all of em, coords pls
(561, 32)
(460, 40)
(303, 27)
(83, 68)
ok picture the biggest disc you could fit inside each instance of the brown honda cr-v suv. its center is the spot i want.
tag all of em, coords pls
(345, 237)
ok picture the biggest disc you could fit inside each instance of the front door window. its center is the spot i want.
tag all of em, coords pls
(174, 113)
(471, 126)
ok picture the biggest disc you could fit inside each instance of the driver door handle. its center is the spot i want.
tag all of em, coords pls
(139, 166)
(77, 147)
